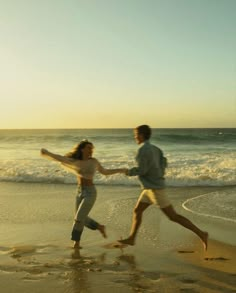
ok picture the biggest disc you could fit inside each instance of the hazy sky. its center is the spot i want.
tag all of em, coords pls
(117, 63)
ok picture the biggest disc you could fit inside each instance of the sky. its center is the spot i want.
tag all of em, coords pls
(117, 63)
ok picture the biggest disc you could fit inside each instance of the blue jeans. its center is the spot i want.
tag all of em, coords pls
(85, 200)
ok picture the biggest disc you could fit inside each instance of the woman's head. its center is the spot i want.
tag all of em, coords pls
(82, 150)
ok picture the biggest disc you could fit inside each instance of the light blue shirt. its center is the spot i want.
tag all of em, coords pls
(148, 167)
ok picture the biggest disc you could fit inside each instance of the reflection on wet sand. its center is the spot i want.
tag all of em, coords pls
(79, 275)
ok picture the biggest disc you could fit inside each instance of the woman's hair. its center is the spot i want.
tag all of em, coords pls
(145, 130)
(76, 152)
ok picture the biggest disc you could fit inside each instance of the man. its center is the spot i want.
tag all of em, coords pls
(150, 170)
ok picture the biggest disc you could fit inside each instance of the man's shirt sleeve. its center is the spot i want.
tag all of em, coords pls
(142, 159)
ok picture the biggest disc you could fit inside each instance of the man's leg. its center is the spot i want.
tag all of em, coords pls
(136, 222)
(173, 216)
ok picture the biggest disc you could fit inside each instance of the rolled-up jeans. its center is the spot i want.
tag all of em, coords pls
(85, 200)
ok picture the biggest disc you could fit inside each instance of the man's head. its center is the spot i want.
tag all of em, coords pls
(142, 133)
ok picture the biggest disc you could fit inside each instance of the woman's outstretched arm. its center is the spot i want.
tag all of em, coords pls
(56, 157)
(105, 171)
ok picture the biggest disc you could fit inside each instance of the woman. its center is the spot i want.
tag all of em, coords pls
(81, 162)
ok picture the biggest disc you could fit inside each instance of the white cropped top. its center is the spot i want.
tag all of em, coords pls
(85, 168)
(82, 168)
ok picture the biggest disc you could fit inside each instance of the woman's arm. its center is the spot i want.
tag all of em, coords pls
(105, 171)
(55, 157)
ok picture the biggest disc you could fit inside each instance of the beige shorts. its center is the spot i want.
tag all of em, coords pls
(154, 196)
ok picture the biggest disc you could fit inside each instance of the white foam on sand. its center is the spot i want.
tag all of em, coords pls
(207, 204)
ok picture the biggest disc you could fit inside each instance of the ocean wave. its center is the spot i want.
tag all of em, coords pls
(54, 174)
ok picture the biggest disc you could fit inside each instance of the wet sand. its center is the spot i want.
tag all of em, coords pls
(37, 257)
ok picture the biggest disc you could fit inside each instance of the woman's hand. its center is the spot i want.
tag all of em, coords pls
(125, 171)
(44, 152)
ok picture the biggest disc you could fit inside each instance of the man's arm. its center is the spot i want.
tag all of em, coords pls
(143, 158)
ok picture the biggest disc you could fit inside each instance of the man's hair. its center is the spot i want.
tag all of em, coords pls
(145, 130)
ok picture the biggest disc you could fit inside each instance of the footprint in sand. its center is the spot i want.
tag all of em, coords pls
(189, 285)
(188, 281)
(5, 250)
(17, 252)
(216, 258)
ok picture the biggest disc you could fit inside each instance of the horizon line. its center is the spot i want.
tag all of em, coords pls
(106, 128)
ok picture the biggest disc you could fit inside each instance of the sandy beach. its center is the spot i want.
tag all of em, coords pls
(36, 253)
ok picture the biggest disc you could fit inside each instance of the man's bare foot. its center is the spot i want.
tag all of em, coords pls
(102, 230)
(77, 245)
(204, 238)
(127, 241)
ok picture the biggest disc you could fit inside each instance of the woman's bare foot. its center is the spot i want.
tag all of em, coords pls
(128, 241)
(77, 245)
(102, 230)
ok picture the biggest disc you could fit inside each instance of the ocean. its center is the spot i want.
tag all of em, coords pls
(37, 199)
(196, 158)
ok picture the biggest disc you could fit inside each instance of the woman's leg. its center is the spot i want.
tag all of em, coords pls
(94, 225)
(78, 200)
(85, 203)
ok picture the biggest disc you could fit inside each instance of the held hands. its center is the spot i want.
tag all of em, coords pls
(125, 171)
